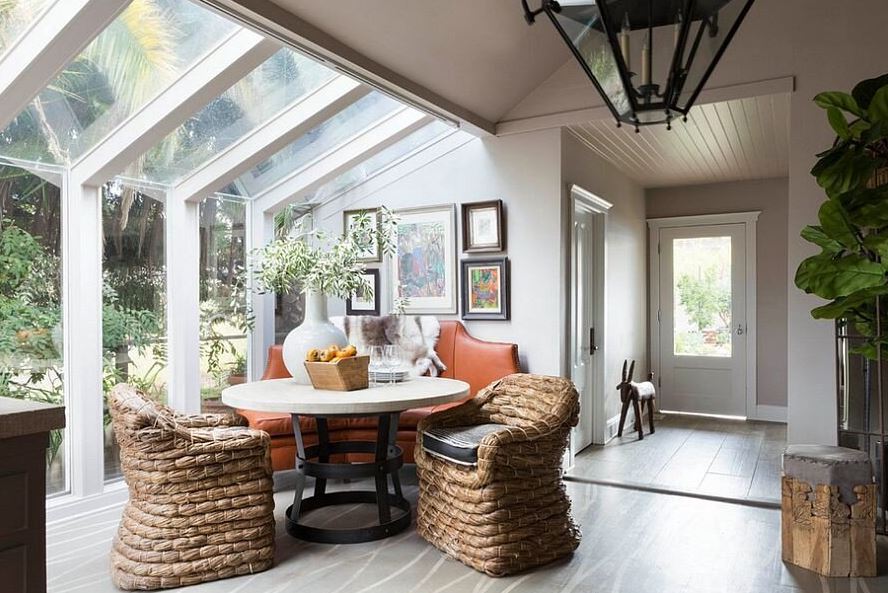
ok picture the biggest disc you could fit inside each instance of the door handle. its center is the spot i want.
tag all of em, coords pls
(592, 346)
(740, 330)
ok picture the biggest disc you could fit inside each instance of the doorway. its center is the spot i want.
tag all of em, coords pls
(587, 316)
(703, 313)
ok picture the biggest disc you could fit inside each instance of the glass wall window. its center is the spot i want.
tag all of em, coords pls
(15, 18)
(376, 164)
(223, 297)
(337, 129)
(134, 298)
(279, 82)
(31, 299)
(139, 54)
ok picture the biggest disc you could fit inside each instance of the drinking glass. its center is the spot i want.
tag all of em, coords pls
(392, 358)
(377, 362)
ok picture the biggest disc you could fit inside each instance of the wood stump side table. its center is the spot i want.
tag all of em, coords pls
(828, 504)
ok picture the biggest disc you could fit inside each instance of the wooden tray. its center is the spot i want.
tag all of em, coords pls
(348, 374)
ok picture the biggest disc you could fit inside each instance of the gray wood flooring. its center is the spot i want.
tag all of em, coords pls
(633, 542)
(693, 454)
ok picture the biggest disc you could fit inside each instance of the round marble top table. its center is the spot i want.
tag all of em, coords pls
(385, 402)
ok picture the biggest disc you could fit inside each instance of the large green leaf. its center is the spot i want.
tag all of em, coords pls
(834, 222)
(878, 109)
(831, 278)
(879, 244)
(838, 122)
(815, 234)
(852, 169)
(865, 90)
(841, 100)
(843, 306)
(867, 207)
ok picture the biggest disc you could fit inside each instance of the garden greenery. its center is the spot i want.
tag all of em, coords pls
(851, 270)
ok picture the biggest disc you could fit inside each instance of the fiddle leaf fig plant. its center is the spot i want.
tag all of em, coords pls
(851, 270)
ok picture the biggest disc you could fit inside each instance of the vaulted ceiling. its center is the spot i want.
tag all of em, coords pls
(480, 55)
(727, 141)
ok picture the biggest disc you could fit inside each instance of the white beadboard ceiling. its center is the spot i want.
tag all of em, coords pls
(730, 141)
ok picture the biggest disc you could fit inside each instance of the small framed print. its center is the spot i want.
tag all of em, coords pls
(485, 288)
(372, 254)
(483, 227)
(365, 304)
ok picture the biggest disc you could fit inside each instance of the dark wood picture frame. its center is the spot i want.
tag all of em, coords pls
(349, 310)
(469, 244)
(504, 288)
(346, 214)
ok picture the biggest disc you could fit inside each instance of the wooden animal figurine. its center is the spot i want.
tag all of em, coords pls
(636, 394)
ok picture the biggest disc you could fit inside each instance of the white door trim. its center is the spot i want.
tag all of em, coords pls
(749, 219)
(588, 201)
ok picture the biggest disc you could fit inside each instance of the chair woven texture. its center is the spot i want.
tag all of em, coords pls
(510, 512)
(200, 496)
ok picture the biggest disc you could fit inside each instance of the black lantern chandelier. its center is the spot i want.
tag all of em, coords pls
(649, 59)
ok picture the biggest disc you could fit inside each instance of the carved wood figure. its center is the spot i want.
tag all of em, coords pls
(636, 394)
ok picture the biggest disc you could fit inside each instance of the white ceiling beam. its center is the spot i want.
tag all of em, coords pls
(270, 137)
(46, 46)
(341, 159)
(235, 57)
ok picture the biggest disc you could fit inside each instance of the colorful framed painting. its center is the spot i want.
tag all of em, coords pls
(424, 266)
(365, 304)
(483, 227)
(485, 288)
(372, 254)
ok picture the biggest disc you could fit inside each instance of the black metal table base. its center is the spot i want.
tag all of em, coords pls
(388, 459)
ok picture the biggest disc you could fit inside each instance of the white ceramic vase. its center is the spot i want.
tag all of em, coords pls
(316, 331)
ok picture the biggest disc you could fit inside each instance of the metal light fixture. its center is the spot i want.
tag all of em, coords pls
(679, 40)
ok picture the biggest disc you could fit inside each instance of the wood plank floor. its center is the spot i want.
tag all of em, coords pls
(633, 542)
(696, 455)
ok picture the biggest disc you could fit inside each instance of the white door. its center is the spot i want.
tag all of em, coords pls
(702, 314)
(582, 332)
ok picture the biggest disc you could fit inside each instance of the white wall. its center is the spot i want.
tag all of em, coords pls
(626, 269)
(525, 172)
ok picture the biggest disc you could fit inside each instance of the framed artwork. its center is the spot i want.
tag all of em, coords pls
(365, 304)
(373, 254)
(424, 266)
(483, 228)
(485, 288)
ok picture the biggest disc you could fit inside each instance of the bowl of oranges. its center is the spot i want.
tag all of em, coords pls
(337, 369)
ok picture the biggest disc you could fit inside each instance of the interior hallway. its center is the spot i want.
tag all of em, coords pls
(693, 454)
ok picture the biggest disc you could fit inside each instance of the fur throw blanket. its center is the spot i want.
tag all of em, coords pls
(416, 335)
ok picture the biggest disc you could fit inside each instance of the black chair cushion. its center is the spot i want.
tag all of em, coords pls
(458, 444)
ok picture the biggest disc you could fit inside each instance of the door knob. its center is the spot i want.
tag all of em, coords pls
(739, 329)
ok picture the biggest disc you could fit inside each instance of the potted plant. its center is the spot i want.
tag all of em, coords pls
(321, 266)
(237, 369)
(851, 270)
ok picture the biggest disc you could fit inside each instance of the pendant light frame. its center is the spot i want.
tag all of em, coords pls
(646, 99)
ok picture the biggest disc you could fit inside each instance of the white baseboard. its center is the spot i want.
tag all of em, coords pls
(613, 424)
(768, 413)
(69, 507)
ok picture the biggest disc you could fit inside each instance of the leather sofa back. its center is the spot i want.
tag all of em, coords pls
(468, 359)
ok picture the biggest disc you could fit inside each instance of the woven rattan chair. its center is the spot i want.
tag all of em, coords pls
(508, 511)
(200, 496)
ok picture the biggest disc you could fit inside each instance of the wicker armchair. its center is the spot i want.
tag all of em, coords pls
(200, 496)
(508, 511)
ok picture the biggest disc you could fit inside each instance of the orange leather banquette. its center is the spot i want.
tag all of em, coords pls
(469, 359)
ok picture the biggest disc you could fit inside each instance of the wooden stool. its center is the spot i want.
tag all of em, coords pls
(829, 510)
